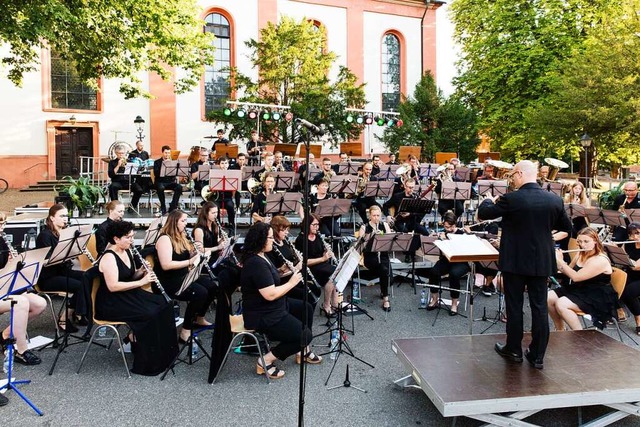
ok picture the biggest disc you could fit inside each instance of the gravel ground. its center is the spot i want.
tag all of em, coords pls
(13, 198)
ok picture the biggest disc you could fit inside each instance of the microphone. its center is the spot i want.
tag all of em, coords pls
(313, 128)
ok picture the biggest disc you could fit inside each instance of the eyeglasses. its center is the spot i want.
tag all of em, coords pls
(630, 190)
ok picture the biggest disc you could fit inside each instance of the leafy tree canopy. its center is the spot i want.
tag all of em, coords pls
(108, 38)
(293, 64)
(434, 123)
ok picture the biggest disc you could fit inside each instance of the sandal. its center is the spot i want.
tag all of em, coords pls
(386, 306)
(638, 330)
(432, 307)
(271, 371)
(67, 326)
(26, 358)
(310, 358)
(329, 313)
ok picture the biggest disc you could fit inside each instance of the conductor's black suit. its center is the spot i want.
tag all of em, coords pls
(527, 258)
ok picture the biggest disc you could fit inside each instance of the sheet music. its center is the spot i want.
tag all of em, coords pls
(459, 247)
(345, 269)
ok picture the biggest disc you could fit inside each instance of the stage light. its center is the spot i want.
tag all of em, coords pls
(253, 114)
(368, 120)
(289, 116)
(241, 113)
(276, 116)
(349, 118)
(399, 123)
(391, 122)
(227, 111)
(380, 121)
(359, 120)
(266, 115)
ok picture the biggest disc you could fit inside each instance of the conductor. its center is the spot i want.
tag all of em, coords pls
(528, 217)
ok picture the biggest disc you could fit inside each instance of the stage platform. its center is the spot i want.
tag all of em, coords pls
(464, 376)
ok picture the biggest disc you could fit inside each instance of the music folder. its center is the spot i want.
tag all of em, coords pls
(466, 248)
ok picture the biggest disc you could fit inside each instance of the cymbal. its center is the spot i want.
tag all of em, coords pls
(556, 163)
(500, 164)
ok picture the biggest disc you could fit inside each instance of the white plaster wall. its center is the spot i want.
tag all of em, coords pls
(375, 26)
(447, 52)
(190, 127)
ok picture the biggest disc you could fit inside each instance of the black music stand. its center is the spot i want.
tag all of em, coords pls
(204, 172)
(348, 168)
(378, 189)
(175, 168)
(341, 276)
(605, 217)
(392, 242)
(285, 180)
(313, 173)
(344, 184)
(462, 173)
(281, 203)
(633, 215)
(388, 172)
(553, 187)
(333, 208)
(428, 170)
(455, 190)
(19, 275)
(618, 255)
(575, 210)
(153, 232)
(70, 245)
(493, 265)
(492, 187)
(132, 170)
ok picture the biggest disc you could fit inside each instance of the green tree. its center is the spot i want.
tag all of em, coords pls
(434, 123)
(292, 66)
(509, 50)
(108, 38)
(597, 91)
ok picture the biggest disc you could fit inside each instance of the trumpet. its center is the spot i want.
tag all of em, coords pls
(327, 248)
(12, 251)
(146, 267)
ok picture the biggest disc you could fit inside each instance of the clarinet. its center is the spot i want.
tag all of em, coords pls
(12, 251)
(298, 255)
(223, 234)
(137, 254)
(327, 248)
(290, 266)
(206, 263)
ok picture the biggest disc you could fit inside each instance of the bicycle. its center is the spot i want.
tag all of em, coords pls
(3, 185)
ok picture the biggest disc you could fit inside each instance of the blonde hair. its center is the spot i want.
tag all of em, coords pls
(374, 208)
(583, 195)
(179, 240)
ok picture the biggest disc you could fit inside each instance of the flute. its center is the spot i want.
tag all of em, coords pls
(146, 267)
(568, 251)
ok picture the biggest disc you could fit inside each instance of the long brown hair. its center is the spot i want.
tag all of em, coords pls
(178, 239)
(203, 216)
(53, 210)
(598, 248)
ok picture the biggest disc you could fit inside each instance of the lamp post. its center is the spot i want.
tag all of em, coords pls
(139, 122)
(585, 141)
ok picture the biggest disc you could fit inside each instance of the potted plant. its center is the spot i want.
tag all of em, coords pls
(606, 199)
(80, 193)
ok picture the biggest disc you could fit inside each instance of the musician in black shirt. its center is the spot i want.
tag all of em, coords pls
(166, 182)
(403, 222)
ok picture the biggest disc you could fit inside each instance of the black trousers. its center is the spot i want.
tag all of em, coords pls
(227, 204)
(116, 186)
(379, 268)
(289, 329)
(630, 297)
(364, 203)
(455, 270)
(199, 295)
(177, 192)
(80, 301)
(514, 285)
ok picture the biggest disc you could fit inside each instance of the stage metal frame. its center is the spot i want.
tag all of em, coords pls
(464, 376)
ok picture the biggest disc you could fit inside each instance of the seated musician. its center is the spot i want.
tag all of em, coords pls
(543, 174)
(375, 161)
(258, 211)
(141, 183)
(302, 169)
(61, 277)
(404, 222)
(344, 158)
(115, 212)
(225, 199)
(392, 159)
(455, 269)
(121, 297)
(326, 173)
(283, 249)
(241, 161)
(265, 307)
(195, 166)
(377, 262)
(221, 140)
(631, 294)
(329, 225)
(119, 180)
(206, 232)
(445, 205)
(487, 173)
(628, 200)
(254, 147)
(278, 162)
(268, 166)
(590, 288)
(166, 182)
(362, 202)
(176, 256)
(319, 262)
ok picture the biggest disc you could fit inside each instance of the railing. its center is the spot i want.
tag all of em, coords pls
(95, 169)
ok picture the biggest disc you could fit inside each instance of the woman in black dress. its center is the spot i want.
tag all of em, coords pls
(206, 233)
(631, 294)
(265, 307)
(377, 262)
(60, 277)
(176, 256)
(590, 290)
(121, 297)
(319, 262)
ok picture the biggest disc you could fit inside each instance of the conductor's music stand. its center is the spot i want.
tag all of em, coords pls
(282, 203)
(553, 187)
(19, 275)
(492, 188)
(70, 245)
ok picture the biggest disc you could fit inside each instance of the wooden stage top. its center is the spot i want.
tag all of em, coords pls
(464, 376)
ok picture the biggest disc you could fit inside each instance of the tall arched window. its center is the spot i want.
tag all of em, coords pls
(216, 75)
(391, 73)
